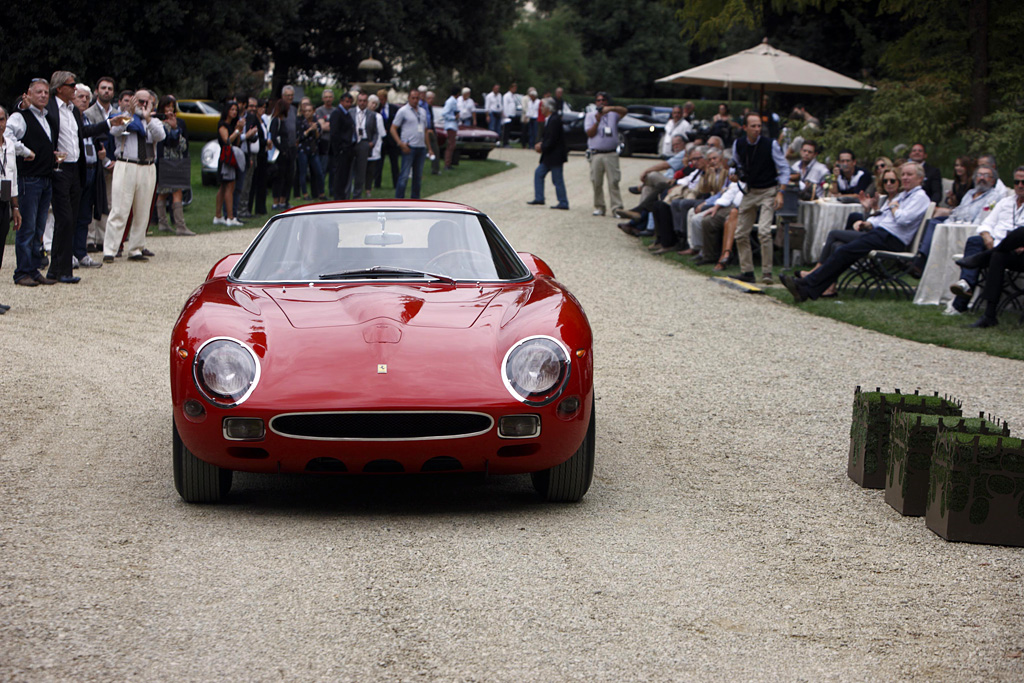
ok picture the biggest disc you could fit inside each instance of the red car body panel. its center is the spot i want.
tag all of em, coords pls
(320, 348)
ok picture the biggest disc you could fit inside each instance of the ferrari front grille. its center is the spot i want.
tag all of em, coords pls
(381, 426)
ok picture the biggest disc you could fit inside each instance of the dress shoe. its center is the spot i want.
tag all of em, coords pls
(147, 252)
(93, 248)
(244, 214)
(108, 259)
(69, 279)
(978, 260)
(43, 280)
(634, 189)
(688, 252)
(746, 277)
(643, 233)
(561, 207)
(26, 281)
(702, 261)
(597, 212)
(626, 228)
(985, 321)
(791, 284)
(962, 288)
(138, 257)
(766, 279)
(87, 262)
(4, 308)
(626, 213)
(536, 202)
(663, 250)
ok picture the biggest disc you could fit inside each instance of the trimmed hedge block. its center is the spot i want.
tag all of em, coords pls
(911, 445)
(869, 431)
(976, 489)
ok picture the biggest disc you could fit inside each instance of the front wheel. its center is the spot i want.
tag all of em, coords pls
(567, 482)
(625, 146)
(197, 481)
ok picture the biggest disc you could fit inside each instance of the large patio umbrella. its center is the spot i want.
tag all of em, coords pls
(764, 67)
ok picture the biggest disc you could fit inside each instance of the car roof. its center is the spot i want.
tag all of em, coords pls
(384, 204)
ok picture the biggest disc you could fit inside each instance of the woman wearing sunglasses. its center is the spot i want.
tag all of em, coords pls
(889, 186)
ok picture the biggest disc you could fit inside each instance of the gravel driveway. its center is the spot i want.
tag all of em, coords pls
(721, 539)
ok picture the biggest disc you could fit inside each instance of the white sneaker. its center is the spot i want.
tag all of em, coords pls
(233, 222)
(74, 263)
(961, 288)
(217, 220)
(950, 310)
(87, 262)
(598, 212)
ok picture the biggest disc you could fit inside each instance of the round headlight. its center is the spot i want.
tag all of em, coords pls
(226, 371)
(535, 369)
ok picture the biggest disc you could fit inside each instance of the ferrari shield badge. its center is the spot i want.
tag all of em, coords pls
(382, 369)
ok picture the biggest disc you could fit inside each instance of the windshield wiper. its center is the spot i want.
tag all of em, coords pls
(384, 271)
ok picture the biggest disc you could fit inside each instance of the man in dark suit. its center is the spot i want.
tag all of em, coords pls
(553, 155)
(365, 122)
(256, 198)
(342, 147)
(70, 133)
(932, 176)
(388, 148)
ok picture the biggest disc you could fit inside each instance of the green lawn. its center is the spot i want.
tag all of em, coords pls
(199, 214)
(897, 317)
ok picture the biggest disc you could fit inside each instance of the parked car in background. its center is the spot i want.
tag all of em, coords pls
(636, 135)
(200, 116)
(209, 158)
(650, 112)
(474, 142)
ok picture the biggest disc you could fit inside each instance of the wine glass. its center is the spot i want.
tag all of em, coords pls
(60, 156)
(126, 118)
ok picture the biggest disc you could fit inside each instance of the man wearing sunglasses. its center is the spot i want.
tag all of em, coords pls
(1004, 218)
(70, 134)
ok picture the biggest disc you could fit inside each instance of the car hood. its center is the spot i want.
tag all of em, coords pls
(311, 307)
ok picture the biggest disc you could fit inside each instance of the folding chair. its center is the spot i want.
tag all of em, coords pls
(786, 220)
(883, 271)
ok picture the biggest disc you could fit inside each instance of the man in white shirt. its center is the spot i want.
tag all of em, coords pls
(676, 125)
(809, 172)
(495, 109)
(409, 132)
(8, 190)
(101, 110)
(509, 104)
(467, 109)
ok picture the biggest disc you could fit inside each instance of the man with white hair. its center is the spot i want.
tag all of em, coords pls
(467, 108)
(94, 193)
(891, 230)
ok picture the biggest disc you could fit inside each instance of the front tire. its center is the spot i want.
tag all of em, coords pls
(625, 146)
(197, 481)
(567, 482)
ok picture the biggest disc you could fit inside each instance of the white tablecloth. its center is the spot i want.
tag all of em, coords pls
(940, 271)
(818, 218)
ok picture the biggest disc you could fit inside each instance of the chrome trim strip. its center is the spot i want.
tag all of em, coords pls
(490, 426)
(199, 385)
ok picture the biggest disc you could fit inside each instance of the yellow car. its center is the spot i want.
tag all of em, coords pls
(200, 117)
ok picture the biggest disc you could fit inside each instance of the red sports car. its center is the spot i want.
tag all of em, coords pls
(382, 336)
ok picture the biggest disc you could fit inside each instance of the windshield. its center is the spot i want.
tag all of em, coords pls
(379, 245)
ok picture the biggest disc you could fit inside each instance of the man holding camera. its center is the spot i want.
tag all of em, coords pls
(134, 178)
(602, 126)
(762, 168)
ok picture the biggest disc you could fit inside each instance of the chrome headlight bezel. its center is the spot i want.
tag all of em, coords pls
(516, 386)
(202, 356)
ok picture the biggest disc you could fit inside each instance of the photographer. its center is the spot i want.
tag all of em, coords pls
(602, 126)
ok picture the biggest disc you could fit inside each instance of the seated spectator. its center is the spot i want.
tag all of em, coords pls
(809, 172)
(980, 247)
(1009, 253)
(932, 176)
(718, 226)
(881, 165)
(963, 180)
(723, 125)
(670, 234)
(990, 161)
(891, 230)
(851, 179)
(873, 205)
(654, 181)
(971, 210)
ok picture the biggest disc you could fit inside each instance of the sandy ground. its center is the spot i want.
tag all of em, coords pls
(721, 540)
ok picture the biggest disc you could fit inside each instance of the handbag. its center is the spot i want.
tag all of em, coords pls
(227, 156)
(175, 174)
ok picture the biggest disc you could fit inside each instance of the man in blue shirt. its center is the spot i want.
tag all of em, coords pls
(409, 131)
(891, 230)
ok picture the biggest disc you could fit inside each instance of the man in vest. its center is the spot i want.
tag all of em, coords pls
(762, 168)
(366, 137)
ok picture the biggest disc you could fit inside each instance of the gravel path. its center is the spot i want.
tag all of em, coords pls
(721, 539)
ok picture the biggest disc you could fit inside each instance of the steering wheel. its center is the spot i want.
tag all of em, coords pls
(460, 264)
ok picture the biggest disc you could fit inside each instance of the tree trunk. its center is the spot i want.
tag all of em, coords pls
(977, 28)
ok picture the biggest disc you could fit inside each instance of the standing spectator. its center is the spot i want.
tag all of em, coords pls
(366, 139)
(229, 132)
(174, 147)
(342, 140)
(492, 103)
(467, 109)
(93, 193)
(602, 126)
(553, 155)
(256, 197)
(289, 150)
(433, 150)
(932, 176)
(308, 133)
(676, 125)
(531, 111)
(323, 115)
(762, 166)
(279, 138)
(409, 132)
(389, 149)
(101, 110)
(134, 177)
(69, 176)
(509, 104)
(250, 145)
(373, 162)
(450, 121)
(8, 190)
